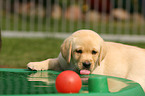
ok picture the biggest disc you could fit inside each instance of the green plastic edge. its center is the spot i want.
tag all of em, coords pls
(25, 70)
(134, 89)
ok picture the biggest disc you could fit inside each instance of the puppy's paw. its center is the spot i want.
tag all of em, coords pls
(37, 66)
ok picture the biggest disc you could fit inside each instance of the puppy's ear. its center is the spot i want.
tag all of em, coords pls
(66, 48)
(103, 51)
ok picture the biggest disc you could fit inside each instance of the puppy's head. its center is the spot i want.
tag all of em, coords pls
(84, 50)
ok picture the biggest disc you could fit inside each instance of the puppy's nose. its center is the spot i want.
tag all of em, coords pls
(86, 64)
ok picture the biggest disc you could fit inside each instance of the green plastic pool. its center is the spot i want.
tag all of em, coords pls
(24, 82)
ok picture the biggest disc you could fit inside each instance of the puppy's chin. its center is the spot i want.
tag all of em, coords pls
(82, 70)
(85, 72)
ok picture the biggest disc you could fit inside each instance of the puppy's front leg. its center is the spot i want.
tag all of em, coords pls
(52, 64)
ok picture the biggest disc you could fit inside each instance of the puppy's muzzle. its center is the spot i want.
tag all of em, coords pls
(86, 64)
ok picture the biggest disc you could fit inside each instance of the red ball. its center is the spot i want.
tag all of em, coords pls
(68, 82)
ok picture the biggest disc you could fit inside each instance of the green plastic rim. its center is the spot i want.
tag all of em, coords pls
(10, 77)
(24, 70)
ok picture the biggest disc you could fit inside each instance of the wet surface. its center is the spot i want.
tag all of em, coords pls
(22, 81)
(31, 83)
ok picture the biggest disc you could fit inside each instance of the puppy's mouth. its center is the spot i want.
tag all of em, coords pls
(85, 72)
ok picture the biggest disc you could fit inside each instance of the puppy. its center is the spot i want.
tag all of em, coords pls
(87, 53)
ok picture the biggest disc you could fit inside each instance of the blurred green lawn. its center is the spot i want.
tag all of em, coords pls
(17, 52)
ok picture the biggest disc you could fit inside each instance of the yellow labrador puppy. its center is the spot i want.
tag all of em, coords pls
(86, 53)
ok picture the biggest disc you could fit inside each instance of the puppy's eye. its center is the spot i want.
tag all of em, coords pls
(79, 51)
(94, 52)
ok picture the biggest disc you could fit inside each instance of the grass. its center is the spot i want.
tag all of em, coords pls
(17, 52)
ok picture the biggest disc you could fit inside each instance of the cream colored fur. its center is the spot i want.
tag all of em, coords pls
(113, 59)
